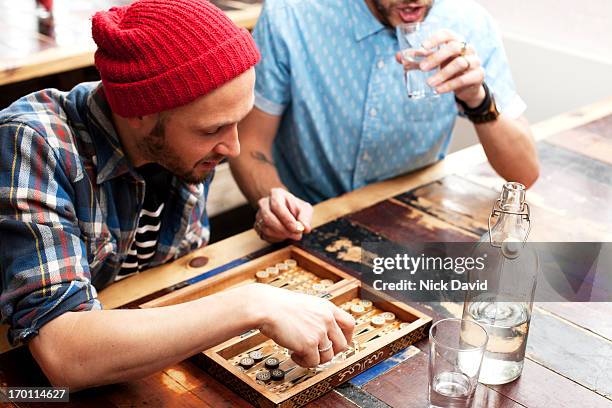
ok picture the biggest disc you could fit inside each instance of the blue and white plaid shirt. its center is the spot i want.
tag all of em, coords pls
(69, 205)
(328, 67)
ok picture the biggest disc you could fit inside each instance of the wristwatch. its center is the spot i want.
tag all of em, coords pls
(483, 113)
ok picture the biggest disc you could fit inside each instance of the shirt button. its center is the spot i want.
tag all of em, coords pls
(380, 64)
(373, 112)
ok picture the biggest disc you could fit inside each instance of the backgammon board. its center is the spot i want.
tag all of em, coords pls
(261, 371)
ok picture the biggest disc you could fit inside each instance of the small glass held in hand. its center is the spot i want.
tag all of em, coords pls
(411, 37)
(456, 350)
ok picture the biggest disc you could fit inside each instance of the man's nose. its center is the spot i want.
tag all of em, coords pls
(230, 145)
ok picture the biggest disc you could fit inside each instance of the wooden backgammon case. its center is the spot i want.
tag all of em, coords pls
(383, 327)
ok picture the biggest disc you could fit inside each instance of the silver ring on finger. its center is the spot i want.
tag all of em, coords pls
(326, 348)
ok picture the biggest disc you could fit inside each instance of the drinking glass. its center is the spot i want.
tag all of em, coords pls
(456, 350)
(411, 37)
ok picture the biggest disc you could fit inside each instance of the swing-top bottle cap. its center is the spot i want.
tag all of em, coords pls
(512, 196)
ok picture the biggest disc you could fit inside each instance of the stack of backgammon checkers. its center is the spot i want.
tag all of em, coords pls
(370, 322)
(289, 275)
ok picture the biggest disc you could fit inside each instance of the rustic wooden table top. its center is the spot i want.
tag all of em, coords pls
(32, 46)
(569, 351)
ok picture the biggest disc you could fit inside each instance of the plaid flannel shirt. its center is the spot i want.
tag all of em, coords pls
(69, 205)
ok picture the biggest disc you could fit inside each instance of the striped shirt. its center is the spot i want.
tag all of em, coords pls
(149, 222)
(69, 206)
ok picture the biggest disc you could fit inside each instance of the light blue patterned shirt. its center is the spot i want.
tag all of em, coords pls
(328, 67)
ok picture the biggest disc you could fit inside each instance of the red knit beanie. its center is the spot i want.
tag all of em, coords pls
(155, 55)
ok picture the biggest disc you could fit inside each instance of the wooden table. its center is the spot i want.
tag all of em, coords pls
(569, 353)
(31, 46)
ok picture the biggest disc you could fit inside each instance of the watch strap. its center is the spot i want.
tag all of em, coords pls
(483, 113)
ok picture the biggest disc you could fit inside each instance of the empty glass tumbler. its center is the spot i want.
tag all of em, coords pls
(456, 350)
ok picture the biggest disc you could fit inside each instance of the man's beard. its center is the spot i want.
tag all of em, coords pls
(384, 13)
(156, 149)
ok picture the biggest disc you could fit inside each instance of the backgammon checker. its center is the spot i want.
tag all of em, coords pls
(261, 371)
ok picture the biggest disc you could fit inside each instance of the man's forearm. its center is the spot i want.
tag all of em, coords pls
(255, 173)
(84, 349)
(510, 149)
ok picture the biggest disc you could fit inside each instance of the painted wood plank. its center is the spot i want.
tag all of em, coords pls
(360, 397)
(406, 386)
(332, 399)
(403, 224)
(455, 200)
(593, 139)
(540, 387)
(384, 366)
(339, 243)
(575, 353)
(592, 316)
(571, 198)
(201, 384)
(157, 390)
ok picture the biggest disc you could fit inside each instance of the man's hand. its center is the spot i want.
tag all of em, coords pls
(314, 329)
(460, 67)
(281, 216)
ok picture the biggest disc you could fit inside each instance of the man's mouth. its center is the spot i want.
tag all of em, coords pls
(410, 13)
(209, 164)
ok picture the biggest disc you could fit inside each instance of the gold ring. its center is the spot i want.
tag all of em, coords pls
(257, 228)
(463, 48)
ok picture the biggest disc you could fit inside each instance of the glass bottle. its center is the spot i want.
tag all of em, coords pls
(510, 269)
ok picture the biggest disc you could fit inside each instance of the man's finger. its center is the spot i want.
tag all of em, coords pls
(307, 358)
(346, 322)
(327, 353)
(457, 66)
(336, 336)
(305, 217)
(302, 211)
(470, 78)
(269, 218)
(398, 57)
(279, 203)
(440, 37)
(445, 53)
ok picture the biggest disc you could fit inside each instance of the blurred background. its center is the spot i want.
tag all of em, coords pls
(560, 53)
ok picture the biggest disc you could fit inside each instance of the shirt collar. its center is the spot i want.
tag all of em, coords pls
(111, 161)
(365, 23)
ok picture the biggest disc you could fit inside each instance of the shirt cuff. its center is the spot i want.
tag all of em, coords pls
(514, 108)
(268, 106)
(77, 296)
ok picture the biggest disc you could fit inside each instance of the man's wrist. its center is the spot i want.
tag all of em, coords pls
(245, 300)
(477, 100)
(483, 113)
